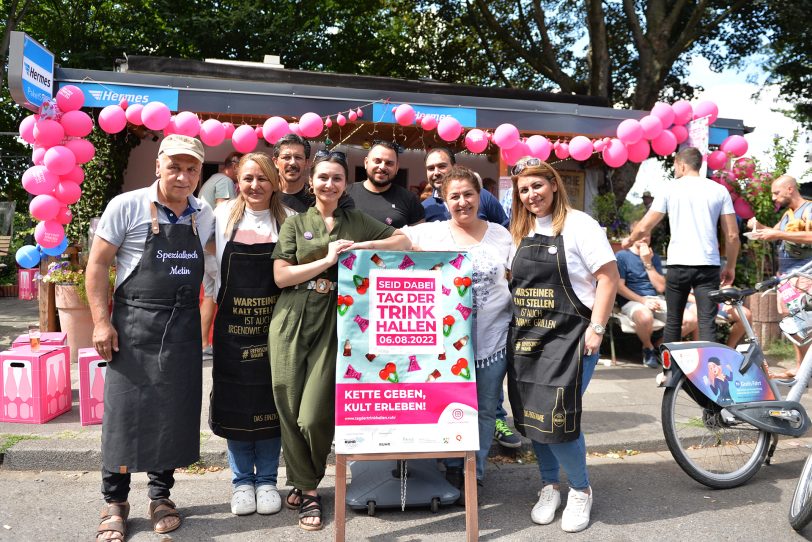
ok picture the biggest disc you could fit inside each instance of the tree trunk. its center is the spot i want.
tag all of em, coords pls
(622, 180)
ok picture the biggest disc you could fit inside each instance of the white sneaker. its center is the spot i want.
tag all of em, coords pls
(268, 500)
(576, 515)
(243, 501)
(549, 501)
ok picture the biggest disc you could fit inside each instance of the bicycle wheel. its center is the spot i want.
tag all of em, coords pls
(800, 509)
(711, 446)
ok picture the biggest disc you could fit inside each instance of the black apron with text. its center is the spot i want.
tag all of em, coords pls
(546, 343)
(153, 386)
(242, 403)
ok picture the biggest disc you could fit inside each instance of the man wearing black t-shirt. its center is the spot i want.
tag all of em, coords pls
(290, 156)
(378, 197)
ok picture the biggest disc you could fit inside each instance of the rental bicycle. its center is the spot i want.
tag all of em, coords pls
(721, 413)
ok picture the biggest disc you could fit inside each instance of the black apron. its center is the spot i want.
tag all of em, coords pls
(153, 386)
(242, 403)
(546, 343)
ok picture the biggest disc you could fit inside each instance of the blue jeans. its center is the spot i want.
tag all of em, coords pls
(570, 455)
(488, 391)
(245, 455)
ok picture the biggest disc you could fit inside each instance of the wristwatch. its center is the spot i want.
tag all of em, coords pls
(648, 266)
(597, 328)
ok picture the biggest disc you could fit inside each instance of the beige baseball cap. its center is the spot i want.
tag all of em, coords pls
(175, 144)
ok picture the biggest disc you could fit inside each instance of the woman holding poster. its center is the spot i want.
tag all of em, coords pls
(488, 246)
(563, 282)
(302, 337)
(242, 405)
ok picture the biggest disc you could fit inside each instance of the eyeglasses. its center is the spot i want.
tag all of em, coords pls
(524, 164)
(324, 154)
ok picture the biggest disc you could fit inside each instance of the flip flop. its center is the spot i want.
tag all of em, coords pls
(293, 493)
(107, 524)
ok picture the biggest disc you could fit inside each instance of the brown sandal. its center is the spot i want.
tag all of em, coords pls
(160, 509)
(293, 493)
(108, 524)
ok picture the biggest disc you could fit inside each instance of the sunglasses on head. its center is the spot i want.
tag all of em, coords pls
(524, 164)
(324, 154)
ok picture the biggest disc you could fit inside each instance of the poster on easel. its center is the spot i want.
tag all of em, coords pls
(405, 375)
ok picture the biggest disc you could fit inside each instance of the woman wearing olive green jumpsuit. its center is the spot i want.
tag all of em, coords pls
(302, 336)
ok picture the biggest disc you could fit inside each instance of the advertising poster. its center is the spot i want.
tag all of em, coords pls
(715, 371)
(405, 374)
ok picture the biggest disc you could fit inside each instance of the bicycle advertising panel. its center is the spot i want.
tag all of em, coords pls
(405, 378)
(714, 370)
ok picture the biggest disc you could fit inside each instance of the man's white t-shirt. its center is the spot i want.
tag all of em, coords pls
(693, 205)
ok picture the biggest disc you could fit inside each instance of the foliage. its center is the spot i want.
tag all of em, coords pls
(606, 212)
(65, 273)
(23, 235)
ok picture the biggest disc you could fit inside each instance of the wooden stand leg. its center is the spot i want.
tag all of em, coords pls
(341, 493)
(471, 504)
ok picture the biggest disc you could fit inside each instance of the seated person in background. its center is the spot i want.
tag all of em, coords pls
(639, 294)
(729, 314)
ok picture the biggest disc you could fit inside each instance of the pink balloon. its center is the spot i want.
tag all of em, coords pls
(70, 98)
(599, 144)
(475, 140)
(744, 168)
(515, 153)
(76, 175)
(682, 112)
(717, 160)
(404, 114)
(274, 128)
(212, 132)
(341, 120)
(294, 128)
(133, 114)
(38, 155)
(562, 151)
(743, 209)
(664, 112)
(64, 216)
(27, 128)
(230, 129)
(82, 149)
(652, 126)
(155, 115)
(112, 119)
(735, 145)
(187, 123)
(665, 143)
(539, 146)
(638, 152)
(68, 192)
(170, 127)
(38, 180)
(629, 131)
(580, 148)
(48, 133)
(244, 139)
(76, 123)
(680, 132)
(506, 136)
(328, 122)
(59, 160)
(49, 233)
(428, 122)
(258, 131)
(44, 207)
(449, 129)
(706, 109)
(615, 153)
(311, 125)
(352, 115)
(359, 112)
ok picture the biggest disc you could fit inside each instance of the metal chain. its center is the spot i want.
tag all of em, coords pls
(404, 473)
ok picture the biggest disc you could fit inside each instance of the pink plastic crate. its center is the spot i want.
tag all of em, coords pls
(92, 370)
(47, 338)
(27, 288)
(35, 385)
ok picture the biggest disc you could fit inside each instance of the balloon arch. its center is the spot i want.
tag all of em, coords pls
(58, 130)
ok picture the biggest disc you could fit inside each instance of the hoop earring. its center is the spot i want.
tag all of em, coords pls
(310, 189)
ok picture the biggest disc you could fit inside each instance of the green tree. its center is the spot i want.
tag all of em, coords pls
(790, 64)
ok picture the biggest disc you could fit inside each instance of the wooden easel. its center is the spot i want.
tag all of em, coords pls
(471, 517)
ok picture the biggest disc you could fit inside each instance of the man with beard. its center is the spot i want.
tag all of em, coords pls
(290, 156)
(378, 197)
(438, 161)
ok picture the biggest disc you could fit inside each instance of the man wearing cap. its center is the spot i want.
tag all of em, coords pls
(647, 199)
(153, 385)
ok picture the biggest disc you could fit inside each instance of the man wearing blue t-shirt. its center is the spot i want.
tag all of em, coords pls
(639, 294)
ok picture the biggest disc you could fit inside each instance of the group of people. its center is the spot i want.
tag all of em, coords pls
(274, 244)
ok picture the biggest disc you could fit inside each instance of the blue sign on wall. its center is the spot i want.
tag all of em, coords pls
(467, 117)
(38, 72)
(97, 95)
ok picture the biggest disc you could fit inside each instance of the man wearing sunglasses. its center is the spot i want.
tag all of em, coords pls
(290, 156)
(378, 197)
(218, 188)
